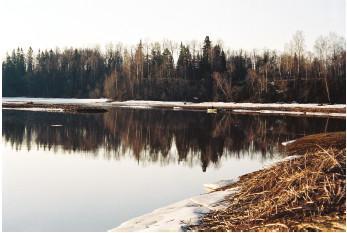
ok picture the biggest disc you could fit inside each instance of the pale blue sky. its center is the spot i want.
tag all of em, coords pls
(239, 23)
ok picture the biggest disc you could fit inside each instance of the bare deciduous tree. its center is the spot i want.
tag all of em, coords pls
(298, 45)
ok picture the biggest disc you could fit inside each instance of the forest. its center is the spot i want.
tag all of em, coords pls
(191, 71)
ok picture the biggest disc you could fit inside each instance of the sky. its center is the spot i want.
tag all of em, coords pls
(246, 24)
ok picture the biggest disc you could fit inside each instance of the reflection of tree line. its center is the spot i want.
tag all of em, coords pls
(34, 128)
(149, 135)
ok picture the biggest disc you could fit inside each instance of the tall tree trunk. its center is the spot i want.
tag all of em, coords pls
(327, 87)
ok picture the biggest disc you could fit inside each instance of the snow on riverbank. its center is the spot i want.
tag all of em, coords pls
(287, 142)
(37, 109)
(177, 216)
(326, 114)
(219, 184)
(225, 104)
(150, 103)
(52, 100)
(294, 109)
(291, 113)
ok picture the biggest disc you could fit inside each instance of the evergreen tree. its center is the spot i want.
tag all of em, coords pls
(30, 60)
(218, 61)
(206, 59)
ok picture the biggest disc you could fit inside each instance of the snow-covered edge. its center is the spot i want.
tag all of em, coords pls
(21, 100)
(177, 216)
(37, 109)
(237, 107)
(334, 114)
(219, 184)
(136, 106)
(226, 104)
(287, 142)
(179, 105)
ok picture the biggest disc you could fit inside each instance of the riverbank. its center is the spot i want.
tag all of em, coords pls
(305, 192)
(293, 109)
(73, 108)
(335, 110)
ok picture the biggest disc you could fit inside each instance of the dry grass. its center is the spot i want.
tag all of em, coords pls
(316, 141)
(303, 194)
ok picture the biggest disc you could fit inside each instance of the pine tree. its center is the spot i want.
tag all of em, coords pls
(206, 59)
(30, 60)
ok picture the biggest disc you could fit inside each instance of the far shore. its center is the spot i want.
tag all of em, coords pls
(54, 107)
(293, 109)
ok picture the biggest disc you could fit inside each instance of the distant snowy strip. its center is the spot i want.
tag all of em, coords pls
(37, 109)
(226, 104)
(52, 100)
(136, 106)
(291, 112)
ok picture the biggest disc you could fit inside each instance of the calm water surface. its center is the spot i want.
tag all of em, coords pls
(98, 170)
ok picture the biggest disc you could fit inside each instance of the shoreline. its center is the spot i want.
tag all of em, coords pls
(177, 216)
(94, 106)
(72, 108)
(306, 193)
(170, 218)
(208, 211)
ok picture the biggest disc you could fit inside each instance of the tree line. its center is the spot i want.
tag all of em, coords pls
(187, 72)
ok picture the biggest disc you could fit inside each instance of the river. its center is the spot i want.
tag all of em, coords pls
(91, 172)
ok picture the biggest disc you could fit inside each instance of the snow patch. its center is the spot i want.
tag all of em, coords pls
(177, 216)
(287, 142)
(281, 112)
(238, 107)
(297, 109)
(244, 110)
(37, 109)
(290, 112)
(52, 100)
(326, 114)
(136, 106)
(219, 184)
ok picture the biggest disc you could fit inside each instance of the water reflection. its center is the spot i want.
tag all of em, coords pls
(159, 135)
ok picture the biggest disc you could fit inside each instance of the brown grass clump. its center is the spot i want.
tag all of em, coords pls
(307, 193)
(313, 142)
